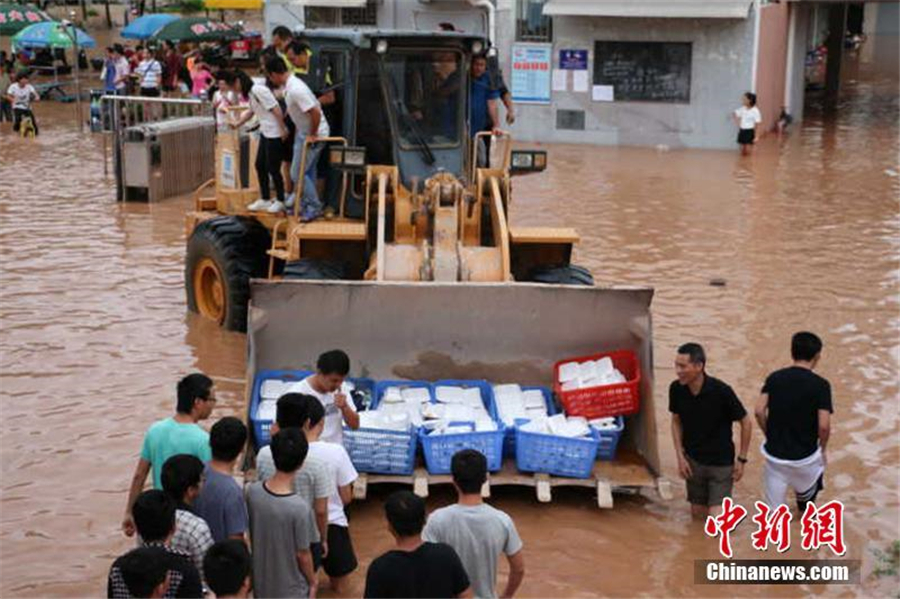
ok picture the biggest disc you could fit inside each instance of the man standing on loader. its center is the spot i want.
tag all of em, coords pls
(306, 113)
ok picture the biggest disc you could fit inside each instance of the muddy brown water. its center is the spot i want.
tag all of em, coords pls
(804, 233)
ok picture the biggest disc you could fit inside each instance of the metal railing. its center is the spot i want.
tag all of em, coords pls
(117, 113)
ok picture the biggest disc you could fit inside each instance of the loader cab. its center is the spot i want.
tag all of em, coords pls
(401, 95)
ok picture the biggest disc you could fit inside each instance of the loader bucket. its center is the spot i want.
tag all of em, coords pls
(502, 332)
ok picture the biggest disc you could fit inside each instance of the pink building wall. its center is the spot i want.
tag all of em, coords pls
(772, 61)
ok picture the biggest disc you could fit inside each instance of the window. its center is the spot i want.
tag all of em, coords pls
(426, 92)
(531, 24)
(322, 17)
(360, 17)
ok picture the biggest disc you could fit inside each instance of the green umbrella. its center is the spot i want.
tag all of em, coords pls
(14, 17)
(51, 34)
(197, 29)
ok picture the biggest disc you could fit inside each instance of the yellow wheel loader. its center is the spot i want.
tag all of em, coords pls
(419, 274)
(414, 196)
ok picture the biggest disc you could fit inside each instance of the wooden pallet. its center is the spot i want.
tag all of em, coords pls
(627, 474)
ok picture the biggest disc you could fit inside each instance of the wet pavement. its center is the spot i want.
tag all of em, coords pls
(804, 233)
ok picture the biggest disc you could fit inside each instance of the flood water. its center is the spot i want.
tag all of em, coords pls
(805, 234)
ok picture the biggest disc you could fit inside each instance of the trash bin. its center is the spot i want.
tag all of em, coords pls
(168, 158)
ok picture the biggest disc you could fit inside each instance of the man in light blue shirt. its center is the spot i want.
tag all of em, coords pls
(179, 434)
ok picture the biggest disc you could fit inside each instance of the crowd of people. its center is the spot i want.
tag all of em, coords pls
(153, 72)
(293, 110)
(199, 531)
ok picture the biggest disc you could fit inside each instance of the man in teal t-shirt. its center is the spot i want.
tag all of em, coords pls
(179, 434)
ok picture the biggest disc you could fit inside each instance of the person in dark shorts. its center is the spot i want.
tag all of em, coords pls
(340, 559)
(794, 411)
(227, 569)
(748, 118)
(414, 568)
(703, 411)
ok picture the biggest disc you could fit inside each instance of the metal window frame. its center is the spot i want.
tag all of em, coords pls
(521, 36)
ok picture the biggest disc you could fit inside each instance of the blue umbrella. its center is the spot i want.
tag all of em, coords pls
(51, 34)
(146, 26)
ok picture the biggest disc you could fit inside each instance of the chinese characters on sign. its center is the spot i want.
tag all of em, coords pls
(723, 524)
(530, 80)
(819, 526)
(573, 60)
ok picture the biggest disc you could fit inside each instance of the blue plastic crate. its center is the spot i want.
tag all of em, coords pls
(609, 440)
(559, 456)
(381, 451)
(382, 386)
(261, 436)
(487, 393)
(439, 449)
(509, 439)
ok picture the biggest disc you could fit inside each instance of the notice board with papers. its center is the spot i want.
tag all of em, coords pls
(531, 68)
(644, 71)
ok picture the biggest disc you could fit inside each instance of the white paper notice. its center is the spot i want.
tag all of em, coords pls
(602, 93)
(560, 80)
(580, 81)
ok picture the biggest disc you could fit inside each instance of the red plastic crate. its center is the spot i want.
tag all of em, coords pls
(610, 400)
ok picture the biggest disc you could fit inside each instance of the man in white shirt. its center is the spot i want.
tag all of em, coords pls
(340, 560)
(306, 113)
(21, 94)
(123, 71)
(328, 386)
(149, 72)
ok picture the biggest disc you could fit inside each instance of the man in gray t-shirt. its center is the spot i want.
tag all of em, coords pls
(282, 526)
(314, 481)
(478, 532)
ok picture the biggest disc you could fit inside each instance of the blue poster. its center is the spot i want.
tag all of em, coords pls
(573, 60)
(531, 68)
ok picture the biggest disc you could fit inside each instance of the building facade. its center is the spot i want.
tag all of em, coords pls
(628, 72)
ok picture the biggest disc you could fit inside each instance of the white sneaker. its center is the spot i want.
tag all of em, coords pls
(289, 201)
(259, 205)
(276, 207)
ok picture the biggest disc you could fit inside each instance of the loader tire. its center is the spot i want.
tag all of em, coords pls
(223, 254)
(312, 269)
(569, 274)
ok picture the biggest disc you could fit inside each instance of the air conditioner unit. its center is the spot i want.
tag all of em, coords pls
(168, 158)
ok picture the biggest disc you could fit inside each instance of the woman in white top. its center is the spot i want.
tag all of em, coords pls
(231, 93)
(272, 135)
(748, 119)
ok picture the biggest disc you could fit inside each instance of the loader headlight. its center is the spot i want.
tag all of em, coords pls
(351, 158)
(477, 47)
(527, 161)
(381, 46)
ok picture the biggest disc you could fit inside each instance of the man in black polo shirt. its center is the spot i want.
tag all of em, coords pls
(703, 410)
(794, 411)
